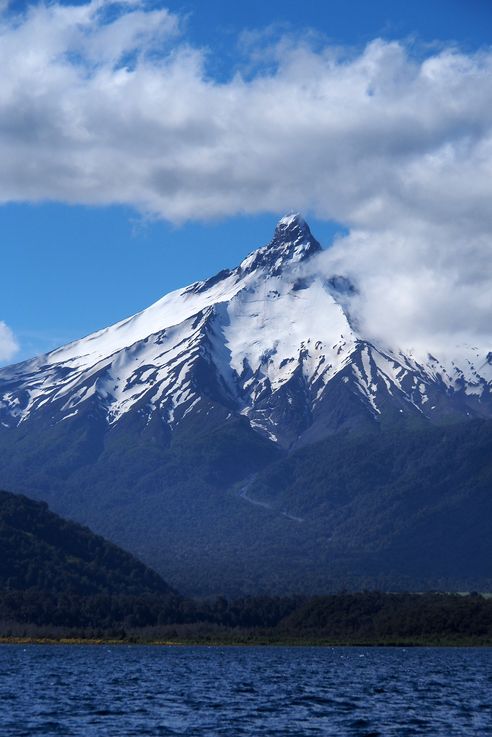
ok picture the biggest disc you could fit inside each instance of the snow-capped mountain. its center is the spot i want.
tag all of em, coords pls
(272, 340)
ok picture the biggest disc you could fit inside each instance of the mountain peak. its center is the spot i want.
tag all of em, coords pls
(291, 221)
(292, 242)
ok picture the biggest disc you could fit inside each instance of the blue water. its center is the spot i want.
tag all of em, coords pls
(129, 691)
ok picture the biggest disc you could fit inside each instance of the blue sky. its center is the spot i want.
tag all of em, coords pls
(217, 24)
(83, 261)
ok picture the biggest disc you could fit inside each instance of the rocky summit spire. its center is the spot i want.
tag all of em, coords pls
(292, 242)
(291, 224)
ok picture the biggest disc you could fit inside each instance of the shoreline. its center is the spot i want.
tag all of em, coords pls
(98, 642)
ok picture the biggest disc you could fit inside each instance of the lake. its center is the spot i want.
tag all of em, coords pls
(127, 691)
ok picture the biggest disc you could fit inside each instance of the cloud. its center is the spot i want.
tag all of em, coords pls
(419, 291)
(107, 103)
(8, 343)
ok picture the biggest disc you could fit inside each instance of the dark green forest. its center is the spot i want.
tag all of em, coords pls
(224, 512)
(58, 579)
(361, 618)
(42, 552)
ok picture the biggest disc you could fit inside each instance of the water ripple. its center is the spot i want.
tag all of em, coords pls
(85, 691)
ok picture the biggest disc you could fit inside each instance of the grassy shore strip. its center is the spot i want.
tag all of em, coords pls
(260, 642)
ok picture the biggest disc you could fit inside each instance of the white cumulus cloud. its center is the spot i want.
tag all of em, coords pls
(107, 103)
(8, 343)
(424, 291)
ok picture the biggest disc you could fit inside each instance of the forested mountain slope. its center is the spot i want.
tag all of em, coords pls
(41, 551)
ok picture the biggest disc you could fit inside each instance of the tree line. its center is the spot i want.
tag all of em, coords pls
(366, 617)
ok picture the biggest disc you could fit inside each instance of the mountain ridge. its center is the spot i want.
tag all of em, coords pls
(270, 340)
(191, 434)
